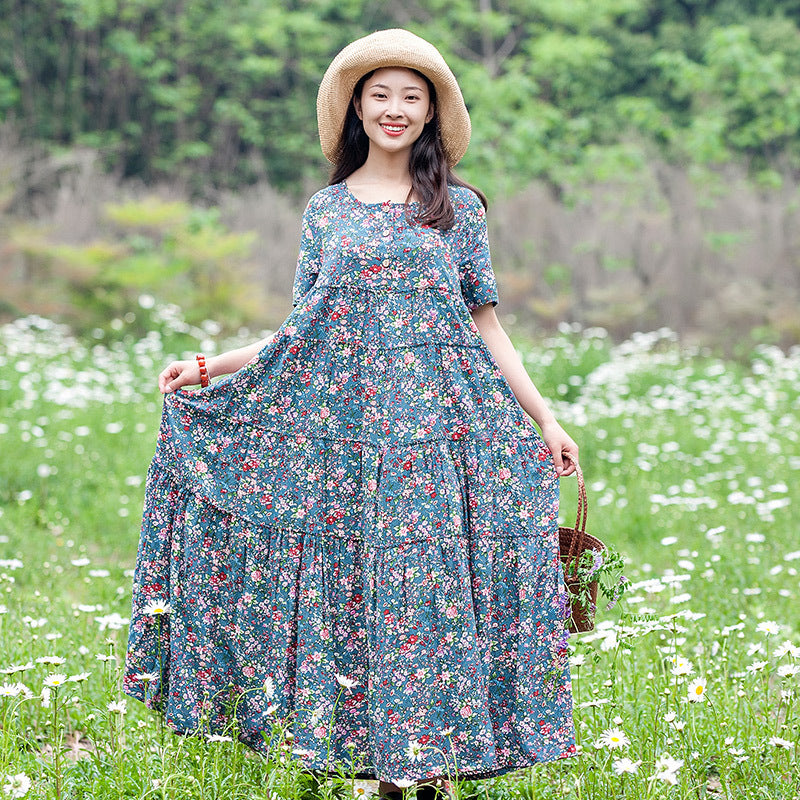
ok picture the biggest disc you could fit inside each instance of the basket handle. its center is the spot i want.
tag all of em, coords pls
(576, 545)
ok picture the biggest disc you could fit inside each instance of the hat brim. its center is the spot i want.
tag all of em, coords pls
(391, 48)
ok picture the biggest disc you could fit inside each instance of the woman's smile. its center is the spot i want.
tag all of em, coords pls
(393, 130)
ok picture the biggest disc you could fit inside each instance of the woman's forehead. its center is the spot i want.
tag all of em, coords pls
(397, 75)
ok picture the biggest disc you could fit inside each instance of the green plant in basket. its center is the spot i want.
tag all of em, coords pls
(591, 571)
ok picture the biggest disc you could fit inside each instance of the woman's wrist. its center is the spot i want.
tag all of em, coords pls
(214, 367)
(548, 421)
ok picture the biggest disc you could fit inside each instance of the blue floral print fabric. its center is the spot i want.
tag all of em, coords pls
(357, 531)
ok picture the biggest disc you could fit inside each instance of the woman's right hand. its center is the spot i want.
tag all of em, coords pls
(177, 374)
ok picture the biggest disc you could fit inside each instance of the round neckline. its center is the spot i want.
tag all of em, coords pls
(359, 202)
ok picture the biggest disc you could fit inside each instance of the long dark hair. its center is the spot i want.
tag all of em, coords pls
(430, 172)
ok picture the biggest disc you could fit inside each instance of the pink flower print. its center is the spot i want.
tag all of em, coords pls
(408, 357)
(249, 671)
(324, 412)
(201, 467)
(504, 473)
(466, 711)
(320, 732)
(450, 612)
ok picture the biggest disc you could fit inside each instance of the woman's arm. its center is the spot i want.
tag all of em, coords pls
(560, 444)
(187, 373)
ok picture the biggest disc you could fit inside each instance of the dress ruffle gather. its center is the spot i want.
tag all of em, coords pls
(366, 498)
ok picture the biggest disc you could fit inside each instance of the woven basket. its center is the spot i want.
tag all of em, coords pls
(572, 542)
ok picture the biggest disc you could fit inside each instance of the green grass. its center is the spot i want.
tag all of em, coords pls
(689, 463)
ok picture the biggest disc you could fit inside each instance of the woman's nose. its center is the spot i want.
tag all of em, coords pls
(394, 109)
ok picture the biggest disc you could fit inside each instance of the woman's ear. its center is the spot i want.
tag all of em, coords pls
(357, 107)
(429, 115)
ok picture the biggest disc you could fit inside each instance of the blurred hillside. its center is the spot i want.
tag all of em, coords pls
(641, 157)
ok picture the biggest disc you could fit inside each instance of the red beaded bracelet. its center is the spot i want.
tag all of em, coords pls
(201, 360)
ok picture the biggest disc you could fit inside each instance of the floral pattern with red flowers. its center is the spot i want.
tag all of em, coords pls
(357, 531)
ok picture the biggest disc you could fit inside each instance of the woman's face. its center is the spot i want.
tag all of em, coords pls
(394, 106)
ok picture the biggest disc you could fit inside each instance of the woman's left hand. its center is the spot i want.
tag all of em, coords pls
(563, 448)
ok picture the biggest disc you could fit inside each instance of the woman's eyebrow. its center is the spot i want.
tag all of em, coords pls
(384, 86)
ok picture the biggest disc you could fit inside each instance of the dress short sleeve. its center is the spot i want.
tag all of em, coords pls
(308, 260)
(478, 283)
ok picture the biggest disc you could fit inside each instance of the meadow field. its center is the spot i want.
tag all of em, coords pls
(686, 688)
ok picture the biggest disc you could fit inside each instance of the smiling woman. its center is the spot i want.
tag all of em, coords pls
(357, 528)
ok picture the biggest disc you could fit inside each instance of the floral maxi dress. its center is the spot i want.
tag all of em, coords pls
(356, 533)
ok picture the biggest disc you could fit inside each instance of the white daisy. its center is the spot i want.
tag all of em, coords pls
(17, 785)
(769, 627)
(613, 738)
(625, 765)
(346, 682)
(24, 690)
(363, 789)
(16, 668)
(787, 649)
(157, 608)
(414, 750)
(697, 691)
(778, 742)
(666, 769)
(681, 666)
(117, 706)
(55, 680)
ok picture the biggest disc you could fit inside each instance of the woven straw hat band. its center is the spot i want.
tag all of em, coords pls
(391, 48)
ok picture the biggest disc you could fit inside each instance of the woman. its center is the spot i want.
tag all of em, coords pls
(361, 518)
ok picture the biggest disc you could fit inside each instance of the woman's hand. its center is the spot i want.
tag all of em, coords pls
(563, 448)
(177, 374)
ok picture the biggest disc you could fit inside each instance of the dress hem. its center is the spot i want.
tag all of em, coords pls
(470, 773)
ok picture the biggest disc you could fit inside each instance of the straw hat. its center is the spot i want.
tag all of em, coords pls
(391, 48)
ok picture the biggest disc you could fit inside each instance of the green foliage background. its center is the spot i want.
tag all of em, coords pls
(217, 95)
